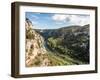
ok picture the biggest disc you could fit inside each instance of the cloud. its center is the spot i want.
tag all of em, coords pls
(34, 17)
(71, 19)
(58, 17)
(79, 20)
(34, 22)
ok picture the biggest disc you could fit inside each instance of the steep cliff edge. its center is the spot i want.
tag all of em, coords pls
(35, 49)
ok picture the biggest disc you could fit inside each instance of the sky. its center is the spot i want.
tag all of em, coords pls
(56, 20)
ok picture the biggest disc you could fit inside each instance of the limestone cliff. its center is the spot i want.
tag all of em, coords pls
(34, 46)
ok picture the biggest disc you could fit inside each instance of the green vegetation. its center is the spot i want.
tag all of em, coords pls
(76, 48)
(29, 34)
(58, 59)
(73, 44)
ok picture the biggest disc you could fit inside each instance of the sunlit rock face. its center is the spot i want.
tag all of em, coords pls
(34, 45)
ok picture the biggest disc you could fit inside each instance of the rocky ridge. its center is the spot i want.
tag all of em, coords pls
(34, 46)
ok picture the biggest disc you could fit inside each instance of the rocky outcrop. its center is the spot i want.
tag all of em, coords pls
(34, 44)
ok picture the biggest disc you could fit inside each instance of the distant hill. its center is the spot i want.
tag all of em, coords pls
(60, 32)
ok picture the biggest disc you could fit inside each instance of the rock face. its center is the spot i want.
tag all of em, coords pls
(34, 45)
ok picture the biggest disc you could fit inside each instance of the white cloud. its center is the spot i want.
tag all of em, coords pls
(71, 19)
(79, 20)
(34, 17)
(58, 17)
(34, 22)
